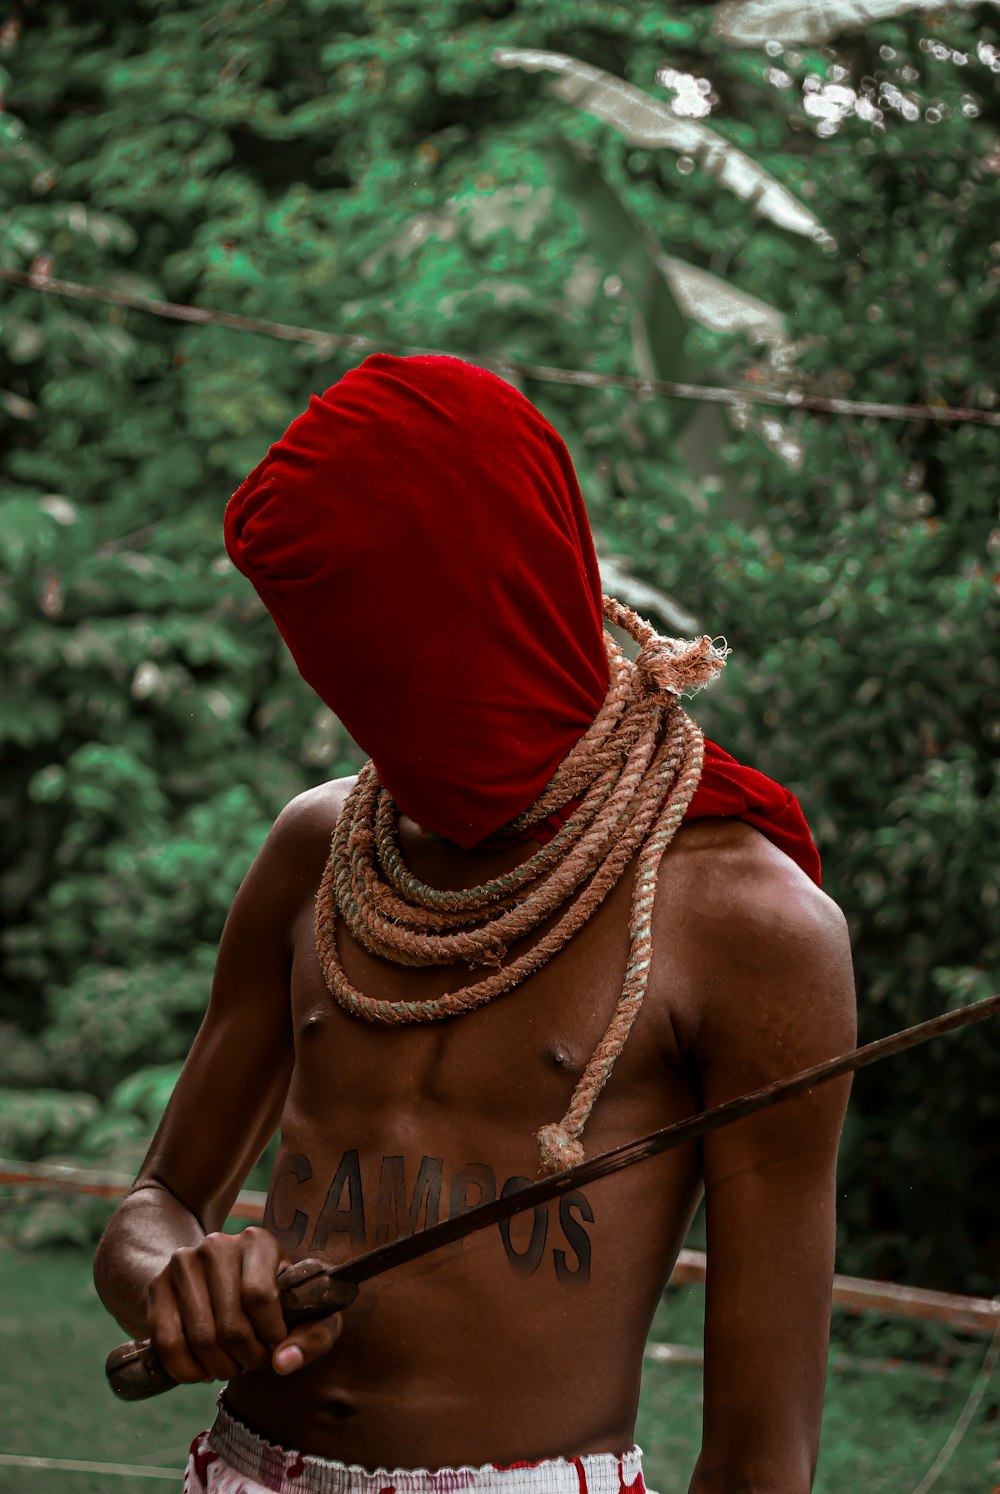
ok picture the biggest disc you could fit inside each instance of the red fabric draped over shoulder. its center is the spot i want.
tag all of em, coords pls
(419, 538)
(728, 788)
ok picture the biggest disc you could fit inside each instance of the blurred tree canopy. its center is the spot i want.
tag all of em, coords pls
(762, 195)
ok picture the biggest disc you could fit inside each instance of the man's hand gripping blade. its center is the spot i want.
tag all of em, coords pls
(308, 1290)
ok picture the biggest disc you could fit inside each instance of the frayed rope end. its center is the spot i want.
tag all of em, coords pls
(558, 1149)
(671, 666)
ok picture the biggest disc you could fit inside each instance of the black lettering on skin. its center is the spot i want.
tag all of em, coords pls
(475, 1175)
(524, 1262)
(294, 1165)
(395, 1214)
(344, 1220)
(399, 1213)
(576, 1237)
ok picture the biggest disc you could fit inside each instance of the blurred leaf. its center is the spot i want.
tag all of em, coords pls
(647, 600)
(33, 1122)
(716, 303)
(57, 1221)
(105, 229)
(643, 120)
(624, 249)
(16, 406)
(22, 1059)
(751, 23)
(26, 532)
(145, 1094)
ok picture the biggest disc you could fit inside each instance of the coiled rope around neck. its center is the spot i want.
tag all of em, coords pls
(634, 771)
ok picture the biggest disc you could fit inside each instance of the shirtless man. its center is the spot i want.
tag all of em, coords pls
(522, 1344)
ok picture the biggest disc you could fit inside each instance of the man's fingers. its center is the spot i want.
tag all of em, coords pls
(259, 1288)
(172, 1348)
(307, 1342)
(235, 1334)
(194, 1303)
(214, 1311)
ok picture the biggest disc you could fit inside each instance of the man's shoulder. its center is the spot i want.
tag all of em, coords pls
(732, 879)
(756, 936)
(299, 839)
(316, 809)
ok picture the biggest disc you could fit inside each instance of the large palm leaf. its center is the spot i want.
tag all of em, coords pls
(751, 23)
(624, 249)
(645, 121)
(666, 292)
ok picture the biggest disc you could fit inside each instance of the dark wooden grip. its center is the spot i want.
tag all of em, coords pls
(308, 1290)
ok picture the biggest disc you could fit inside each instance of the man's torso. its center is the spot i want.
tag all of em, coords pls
(523, 1341)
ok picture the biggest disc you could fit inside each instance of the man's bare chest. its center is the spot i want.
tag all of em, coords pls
(390, 1128)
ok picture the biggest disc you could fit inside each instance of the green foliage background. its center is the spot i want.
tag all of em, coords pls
(369, 168)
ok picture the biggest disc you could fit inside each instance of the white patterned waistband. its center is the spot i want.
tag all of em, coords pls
(285, 1472)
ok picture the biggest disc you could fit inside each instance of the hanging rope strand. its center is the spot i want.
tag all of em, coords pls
(631, 777)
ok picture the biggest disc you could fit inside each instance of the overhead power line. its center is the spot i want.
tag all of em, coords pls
(793, 399)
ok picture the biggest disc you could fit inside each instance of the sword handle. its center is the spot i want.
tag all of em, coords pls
(307, 1290)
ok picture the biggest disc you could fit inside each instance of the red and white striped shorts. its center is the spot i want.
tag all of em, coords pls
(230, 1459)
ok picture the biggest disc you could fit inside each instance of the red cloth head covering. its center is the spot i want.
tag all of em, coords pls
(419, 537)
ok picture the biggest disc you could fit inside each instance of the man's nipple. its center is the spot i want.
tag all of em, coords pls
(315, 1022)
(558, 1054)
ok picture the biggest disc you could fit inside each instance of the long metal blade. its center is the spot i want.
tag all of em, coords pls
(422, 1242)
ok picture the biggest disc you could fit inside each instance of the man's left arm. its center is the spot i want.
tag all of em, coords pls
(778, 997)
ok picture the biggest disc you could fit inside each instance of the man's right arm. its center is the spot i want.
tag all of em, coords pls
(778, 997)
(161, 1260)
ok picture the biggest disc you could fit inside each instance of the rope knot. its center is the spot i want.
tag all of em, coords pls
(668, 666)
(558, 1149)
